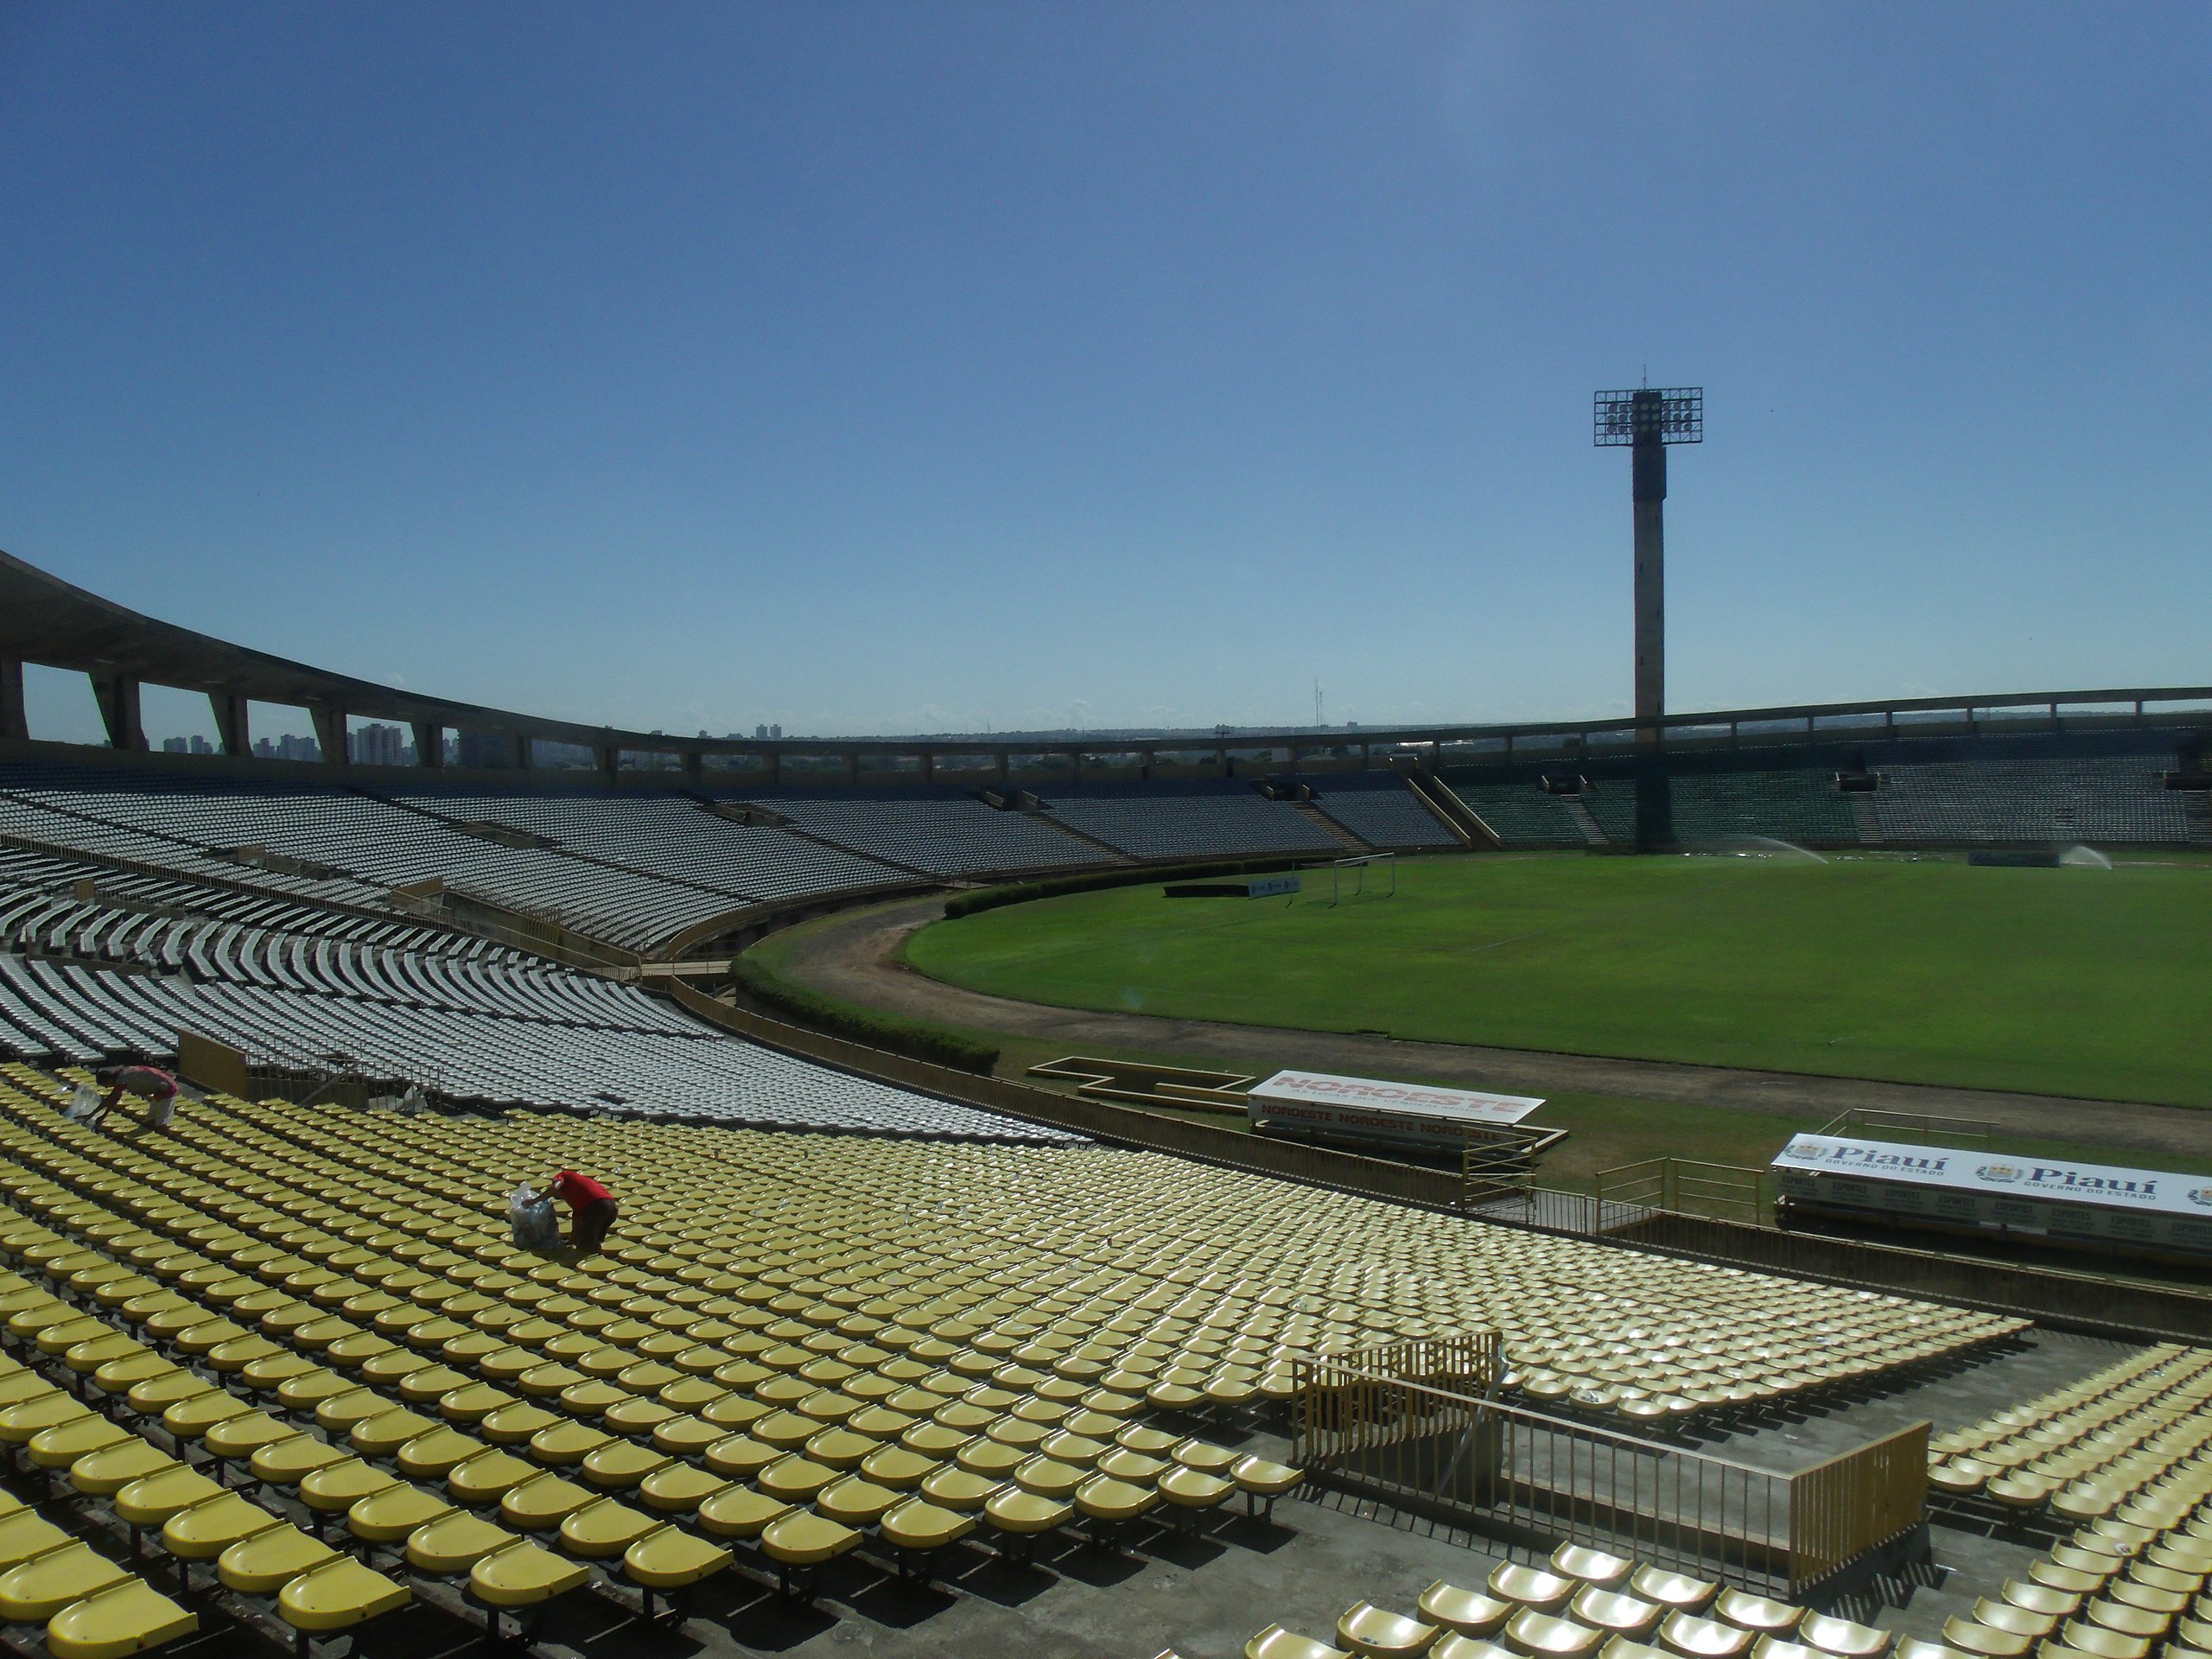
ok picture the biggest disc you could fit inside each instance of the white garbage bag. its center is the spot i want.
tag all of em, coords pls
(83, 1104)
(531, 1220)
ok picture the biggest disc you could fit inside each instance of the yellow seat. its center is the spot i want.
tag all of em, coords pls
(1276, 1642)
(801, 1538)
(238, 1438)
(619, 1466)
(1841, 1637)
(740, 1512)
(436, 1453)
(1703, 1639)
(1616, 1612)
(454, 1543)
(794, 1479)
(150, 1502)
(36, 1590)
(855, 1501)
(337, 1487)
(387, 1517)
(20, 1424)
(1972, 1637)
(1191, 1489)
(1375, 1632)
(288, 1462)
(1025, 1514)
(130, 1617)
(64, 1444)
(679, 1488)
(1469, 1612)
(523, 1574)
(1547, 1635)
(106, 1472)
(541, 1504)
(488, 1476)
(1530, 1586)
(205, 1530)
(1592, 1567)
(915, 1524)
(382, 1435)
(339, 1595)
(670, 1559)
(960, 1489)
(1757, 1613)
(265, 1562)
(562, 1444)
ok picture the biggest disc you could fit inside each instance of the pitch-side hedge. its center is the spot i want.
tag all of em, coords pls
(907, 1037)
(968, 903)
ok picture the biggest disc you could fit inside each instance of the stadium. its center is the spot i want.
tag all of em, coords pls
(972, 1293)
(1668, 1120)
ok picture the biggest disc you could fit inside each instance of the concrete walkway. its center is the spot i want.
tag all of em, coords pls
(855, 958)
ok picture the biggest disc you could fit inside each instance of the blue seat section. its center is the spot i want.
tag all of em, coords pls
(1381, 810)
(2102, 800)
(670, 837)
(941, 832)
(351, 848)
(1186, 820)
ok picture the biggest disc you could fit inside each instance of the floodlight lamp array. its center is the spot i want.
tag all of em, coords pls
(1670, 414)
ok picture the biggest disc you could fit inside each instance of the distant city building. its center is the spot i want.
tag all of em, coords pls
(201, 746)
(173, 746)
(380, 745)
(761, 734)
(288, 747)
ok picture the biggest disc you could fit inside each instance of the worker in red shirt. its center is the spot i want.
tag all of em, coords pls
(157, 1087)
(592, 1208)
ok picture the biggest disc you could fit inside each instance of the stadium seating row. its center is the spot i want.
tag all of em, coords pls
(530, 1039)
(1588, 1603)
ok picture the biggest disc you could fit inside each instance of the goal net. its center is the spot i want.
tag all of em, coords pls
(1371, 876)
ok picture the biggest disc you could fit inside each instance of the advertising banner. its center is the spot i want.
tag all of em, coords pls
(1372, 1108)
(1961, 1187)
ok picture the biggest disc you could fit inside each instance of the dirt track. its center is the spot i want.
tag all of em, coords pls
(855, 958)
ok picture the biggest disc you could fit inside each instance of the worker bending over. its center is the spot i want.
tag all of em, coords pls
(592, 1209)
(155, 1086)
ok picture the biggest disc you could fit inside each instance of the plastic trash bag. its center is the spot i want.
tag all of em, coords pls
(413, 1103)
(531, 1220)
(85, 1105)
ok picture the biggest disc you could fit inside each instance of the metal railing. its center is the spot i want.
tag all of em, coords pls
(1687, 1185)
(1456, 1455)
(1921, 1127)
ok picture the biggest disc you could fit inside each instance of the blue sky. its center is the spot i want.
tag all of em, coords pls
(913, 368)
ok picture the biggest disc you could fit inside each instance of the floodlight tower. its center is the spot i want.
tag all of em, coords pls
(1648, 419)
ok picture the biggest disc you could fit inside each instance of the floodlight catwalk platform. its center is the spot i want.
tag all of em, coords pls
(1646, 419)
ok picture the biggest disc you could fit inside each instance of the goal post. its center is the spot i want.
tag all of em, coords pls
(1352, 878)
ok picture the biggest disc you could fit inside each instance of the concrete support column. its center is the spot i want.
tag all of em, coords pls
(775, 767)
(929, 765)
(330, 734)
(695, 767)
(609, 760)
(1366, 757)
(233, 729)
(1075, 763)
(1221, 760)
(429, 744)
(852, 766)
(1147, 762)
(117, 696)
(518, 755)
(15, 724)
(1650, 468)
(1006, 766)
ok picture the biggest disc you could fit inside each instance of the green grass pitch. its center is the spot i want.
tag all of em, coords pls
(2068, 981)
